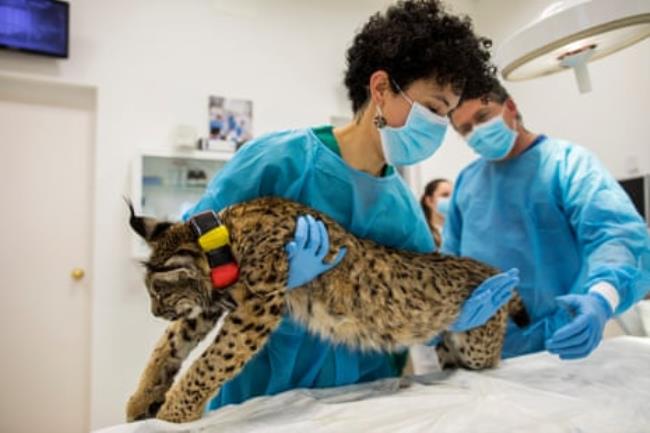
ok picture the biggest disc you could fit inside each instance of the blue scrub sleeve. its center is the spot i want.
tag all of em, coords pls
(611, 233)
(271, 165)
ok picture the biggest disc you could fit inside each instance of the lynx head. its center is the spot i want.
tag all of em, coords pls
(178, 272)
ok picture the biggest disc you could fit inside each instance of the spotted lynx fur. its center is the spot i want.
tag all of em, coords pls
(377, 298)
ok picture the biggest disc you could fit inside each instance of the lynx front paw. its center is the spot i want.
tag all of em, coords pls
(143, 406)
(179, 411)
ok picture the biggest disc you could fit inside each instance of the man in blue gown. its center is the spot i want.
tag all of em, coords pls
(549, 208)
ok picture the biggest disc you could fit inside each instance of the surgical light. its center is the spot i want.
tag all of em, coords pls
(569, 34)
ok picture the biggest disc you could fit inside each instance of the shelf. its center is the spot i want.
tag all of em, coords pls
(188, 154)
(159, 186)
(199, 189)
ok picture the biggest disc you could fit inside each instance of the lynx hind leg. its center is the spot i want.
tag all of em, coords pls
(165, 361)
(476, 349)
(244, 333)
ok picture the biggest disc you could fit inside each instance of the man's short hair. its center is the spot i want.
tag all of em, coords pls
(497, 93)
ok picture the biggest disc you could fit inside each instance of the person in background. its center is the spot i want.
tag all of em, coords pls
(406, 69)
(548, 207)
(435, 203)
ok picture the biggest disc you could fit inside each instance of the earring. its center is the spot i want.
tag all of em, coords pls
(379, 119)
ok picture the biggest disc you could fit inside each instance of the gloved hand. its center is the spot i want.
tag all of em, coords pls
(307, 252)
(484, 302)
(583, 333)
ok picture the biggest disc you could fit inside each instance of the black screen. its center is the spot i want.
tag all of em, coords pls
(634, 188)
(35, 26)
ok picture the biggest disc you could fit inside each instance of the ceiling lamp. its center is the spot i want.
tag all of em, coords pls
(571, 33)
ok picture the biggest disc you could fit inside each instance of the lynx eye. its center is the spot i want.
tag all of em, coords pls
(178, 261)
(157, 287)
(153, 268)
(188, 252)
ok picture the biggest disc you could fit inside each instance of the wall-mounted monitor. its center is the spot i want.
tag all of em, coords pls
(638, 188)
(35, 26)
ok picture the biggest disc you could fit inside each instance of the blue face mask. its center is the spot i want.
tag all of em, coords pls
(442, 206)
(418, 139)
(493, 140)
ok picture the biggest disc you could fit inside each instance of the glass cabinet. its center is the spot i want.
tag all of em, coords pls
(166, 184)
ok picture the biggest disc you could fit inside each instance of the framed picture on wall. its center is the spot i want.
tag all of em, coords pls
(230, 123)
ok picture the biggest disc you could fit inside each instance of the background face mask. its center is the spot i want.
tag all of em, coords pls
(418, 139)
(493, 140)
(442, 206)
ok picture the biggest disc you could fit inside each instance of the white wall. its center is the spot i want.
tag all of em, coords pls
(154, 63)
(611, 121)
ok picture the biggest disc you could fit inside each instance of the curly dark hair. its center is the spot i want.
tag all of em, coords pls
(417, 39)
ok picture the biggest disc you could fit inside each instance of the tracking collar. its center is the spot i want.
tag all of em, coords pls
(214, 240)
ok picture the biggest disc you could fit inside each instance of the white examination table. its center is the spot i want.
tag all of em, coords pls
(608, 392)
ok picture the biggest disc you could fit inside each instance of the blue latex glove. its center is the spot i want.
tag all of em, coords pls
(484, 302)
(307, 252)
(583, 333)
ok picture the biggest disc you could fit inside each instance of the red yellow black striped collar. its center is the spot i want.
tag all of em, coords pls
(214, 239)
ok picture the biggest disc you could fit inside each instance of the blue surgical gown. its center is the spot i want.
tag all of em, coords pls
(556, 214)
(298, 166)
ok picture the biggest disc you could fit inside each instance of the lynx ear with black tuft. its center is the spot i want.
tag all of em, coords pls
(148, 228)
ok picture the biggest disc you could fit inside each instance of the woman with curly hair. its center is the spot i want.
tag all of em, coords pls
(406, 69)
